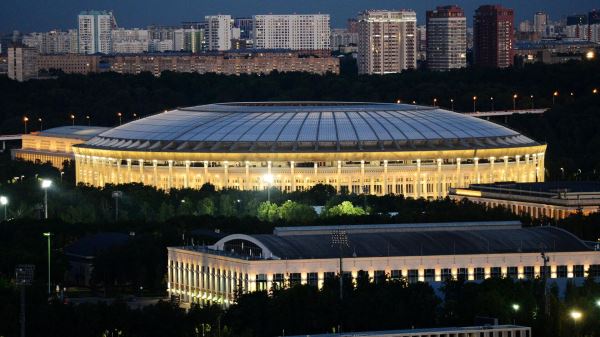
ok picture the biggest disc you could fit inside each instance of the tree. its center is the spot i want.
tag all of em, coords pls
(291, 211)
(206, 206)
(267, 211)
(344, 209)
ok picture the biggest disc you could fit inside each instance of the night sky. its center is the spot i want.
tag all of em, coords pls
(43, 15)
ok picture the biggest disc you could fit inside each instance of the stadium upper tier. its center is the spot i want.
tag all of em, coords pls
(307, 127)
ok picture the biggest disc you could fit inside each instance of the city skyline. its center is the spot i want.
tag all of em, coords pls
(140, 14)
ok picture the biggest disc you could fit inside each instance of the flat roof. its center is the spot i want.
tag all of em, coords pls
(550, 187)
(82, 132)
(419, 331)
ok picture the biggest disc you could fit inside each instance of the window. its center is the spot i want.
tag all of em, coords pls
(278, 281)
(529, 274)
(578, 270)
(496, 272)
(261, 282)
(479, 273)
(429, 275)
(413, 276)
(379, 276)
(446, 274)
(594, 270)
(513, 272)
(312, 279)
(561, 271)
(295, 279)
(396, 275)
(463, 274)
(327, 276)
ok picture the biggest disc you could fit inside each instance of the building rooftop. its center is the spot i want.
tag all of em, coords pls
(469, 240)
(559, 189)
(76, 132)
(307, 127)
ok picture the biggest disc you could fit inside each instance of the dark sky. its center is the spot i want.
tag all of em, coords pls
(40, 15)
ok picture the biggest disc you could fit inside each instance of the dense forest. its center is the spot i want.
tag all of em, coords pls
(569, 127)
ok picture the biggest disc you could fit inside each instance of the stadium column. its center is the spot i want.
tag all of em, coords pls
(316, 173)
(170, 181)
(505, 172)
(491, 170)
(339, 176)
(527, 169)
(542, 167)
(438, 179)
(186, 180)
(129, 178)
(205, 178)
(292, 177)
(362, 176)
(459, 179)
(477, 177)
(225, 183)
(141, 165)
(155, 173)
(418, 180)
(518, 169)
(385, 177)
(118, 178)
(247, 182)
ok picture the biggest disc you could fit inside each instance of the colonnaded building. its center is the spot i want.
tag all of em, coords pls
(471, 251)
(375, 148)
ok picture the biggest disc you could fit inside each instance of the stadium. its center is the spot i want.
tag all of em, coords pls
(374, 148)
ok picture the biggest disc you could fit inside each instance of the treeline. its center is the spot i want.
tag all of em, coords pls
(568, 128)
(304, 309)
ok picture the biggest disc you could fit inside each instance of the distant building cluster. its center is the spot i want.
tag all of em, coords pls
(382, 41)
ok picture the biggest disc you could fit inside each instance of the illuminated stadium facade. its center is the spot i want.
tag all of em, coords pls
(375, 148)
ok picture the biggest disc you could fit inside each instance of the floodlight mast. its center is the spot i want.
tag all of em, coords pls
(340, 238)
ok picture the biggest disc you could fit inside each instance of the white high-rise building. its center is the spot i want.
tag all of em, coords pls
(218, 32)
(446, 38)
(296, 31)
(387, 41)
(95, 32)
(130, 41)
(540, 21)
(52, 42)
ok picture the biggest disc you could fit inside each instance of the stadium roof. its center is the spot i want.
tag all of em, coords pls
(307, 127)
(406, 243)
(76, 132)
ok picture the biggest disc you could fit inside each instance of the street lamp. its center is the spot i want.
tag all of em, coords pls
(474, 103)
(554, 95)
(41, 125)
(492, 103)
(48, 235)
(515, 102)
(72, 119)
(88, 119)
(25, 120)
(532, 105)
(120, 117)
(434, 102)
(4, 202)
(595, 91)
(516, 307)
(116, 195)
(46, 183)
(590, 55)
(268, 178)
(452, 104)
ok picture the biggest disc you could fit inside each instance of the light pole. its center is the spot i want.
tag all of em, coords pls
(515, 307)
(492, 103)
(268, 178)
(340, 238)
(434, 102)
(48, 235)
(88, 119)
(120, 117)
(4, 202)
(72, 120)
(532, 105)
(515, 102)
(46, 183)
(41, 125)
(451, 104)
(116, 195)
(25, 120)
(576, 315)
(554, 95)
(474, 103)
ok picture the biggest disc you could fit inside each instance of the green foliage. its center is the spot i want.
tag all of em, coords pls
(345, 209)
(267, 211)
(206, 206)
(293, 212)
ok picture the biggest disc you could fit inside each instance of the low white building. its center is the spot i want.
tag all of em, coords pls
(416, 252)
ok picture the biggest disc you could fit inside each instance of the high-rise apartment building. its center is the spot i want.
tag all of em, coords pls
(245, 25)
(577, 26)
(95, 32)
(387, 41)
(52, 42)
(296, 32)
(493, 36)
(218, 32)
(22, 63)
(540, 21)
(446, 38)
(130, 41)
